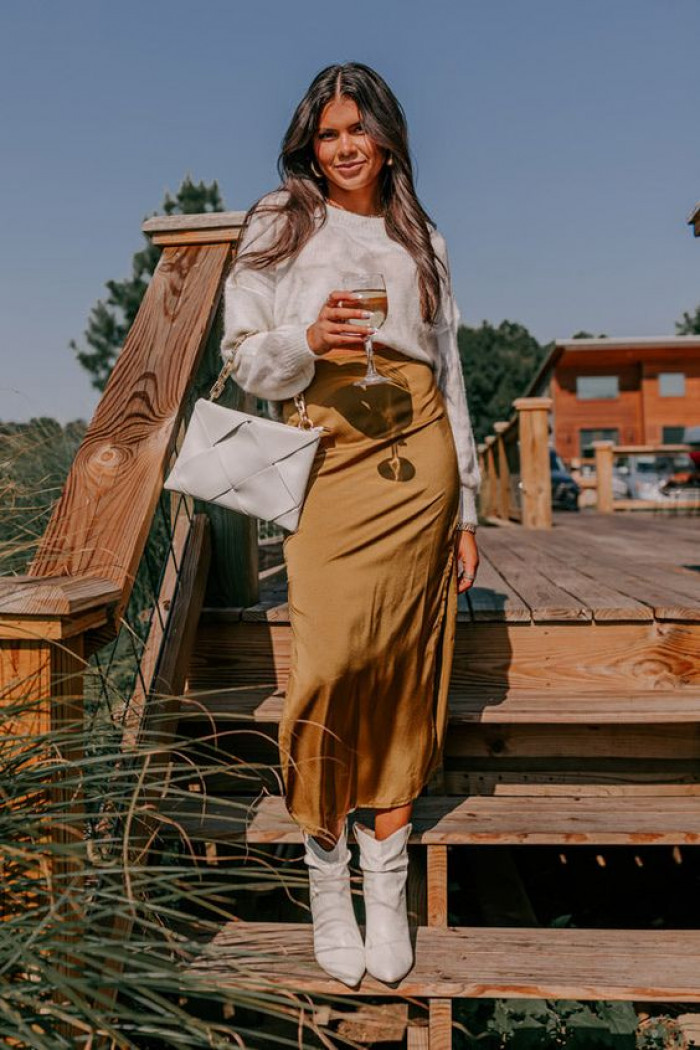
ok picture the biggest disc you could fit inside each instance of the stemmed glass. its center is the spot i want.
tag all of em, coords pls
(370, 288)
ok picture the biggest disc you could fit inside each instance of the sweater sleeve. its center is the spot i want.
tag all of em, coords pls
(276, 362)
(451, 383)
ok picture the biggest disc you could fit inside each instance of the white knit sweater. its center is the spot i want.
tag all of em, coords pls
(281, 302)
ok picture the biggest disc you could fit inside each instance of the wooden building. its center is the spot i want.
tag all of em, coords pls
(641, 391)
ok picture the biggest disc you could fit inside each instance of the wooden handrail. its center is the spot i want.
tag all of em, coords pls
(99, 526)
(605, 452)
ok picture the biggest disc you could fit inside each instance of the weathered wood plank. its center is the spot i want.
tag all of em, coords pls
(492, 655)
(440, 1021)
(475, 962)
(212, 220)
(578, 656)
(604, 602)
(153, 716)
(491, 597)
(552, 706)
(642, 582)
(437, 885)
(505, 743)
(581, 780)
(53, 596)
(504, 819)
(547, 601)
(100, 524)
(637, 555)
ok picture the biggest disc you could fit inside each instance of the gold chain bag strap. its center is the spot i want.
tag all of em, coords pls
(226, 372)
(247, 463)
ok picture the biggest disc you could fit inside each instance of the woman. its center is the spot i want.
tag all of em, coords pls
(389, 513)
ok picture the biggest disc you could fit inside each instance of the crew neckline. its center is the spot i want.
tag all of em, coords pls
(352, 218)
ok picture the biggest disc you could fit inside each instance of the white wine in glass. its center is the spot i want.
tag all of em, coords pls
(370, 288)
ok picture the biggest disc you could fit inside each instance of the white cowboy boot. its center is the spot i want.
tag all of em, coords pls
(338, 945)
(384, 862)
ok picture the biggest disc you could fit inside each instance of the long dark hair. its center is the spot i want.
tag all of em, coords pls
(406, 221)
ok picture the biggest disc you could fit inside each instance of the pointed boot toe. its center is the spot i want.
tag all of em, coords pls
(384, 863)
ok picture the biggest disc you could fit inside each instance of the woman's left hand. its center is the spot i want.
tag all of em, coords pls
(467, 553)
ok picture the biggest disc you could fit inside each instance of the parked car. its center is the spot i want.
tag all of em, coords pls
(565, 491)
(691, 436)
(656, 476)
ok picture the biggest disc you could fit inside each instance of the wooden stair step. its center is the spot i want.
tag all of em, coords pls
(484, 704)
(474, 962)
(496, 819)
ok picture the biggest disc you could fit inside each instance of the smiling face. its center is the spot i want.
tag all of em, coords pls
(348, 157)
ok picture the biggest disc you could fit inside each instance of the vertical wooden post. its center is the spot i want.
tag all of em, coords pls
(233, 579)
(485, 480)
(503, 491)
(604, 476)
(535, 476)
(492, 491)
(42, 661)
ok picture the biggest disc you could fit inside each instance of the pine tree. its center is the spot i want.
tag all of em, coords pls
(690, 325)
(111, 319)
(498, 365)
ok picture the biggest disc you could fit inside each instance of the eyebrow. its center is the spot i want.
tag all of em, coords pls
(352, 125)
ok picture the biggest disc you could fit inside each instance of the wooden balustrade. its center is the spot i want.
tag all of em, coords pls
(602, 483)
(75, 596)
(514, 461)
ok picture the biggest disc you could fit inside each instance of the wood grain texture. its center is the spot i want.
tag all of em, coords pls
(211, 220)
(469, 705)
(59, 596)
(100, 524)
(499, 820)
(440, 1024)
(474, 962)
(153, 715)
(535, 475)
(488, 656)
(437, 885)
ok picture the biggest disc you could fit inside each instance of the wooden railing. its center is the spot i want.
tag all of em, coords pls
(514, 461)
(597, 483)
(122, 569)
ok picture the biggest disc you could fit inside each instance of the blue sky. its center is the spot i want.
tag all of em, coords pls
(556, 144)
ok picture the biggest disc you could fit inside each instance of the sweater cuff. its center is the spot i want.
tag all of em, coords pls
(467, 505)
(295, 352)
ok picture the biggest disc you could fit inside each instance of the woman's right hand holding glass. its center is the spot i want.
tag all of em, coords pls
(333, 327)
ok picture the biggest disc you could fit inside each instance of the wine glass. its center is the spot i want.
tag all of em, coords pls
(370, 288)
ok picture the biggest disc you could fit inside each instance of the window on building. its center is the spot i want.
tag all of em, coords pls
(672, 435)
(593, 387)
(587, 437)
(671, 384)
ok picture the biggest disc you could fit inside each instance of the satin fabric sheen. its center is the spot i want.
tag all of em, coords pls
(372, 591)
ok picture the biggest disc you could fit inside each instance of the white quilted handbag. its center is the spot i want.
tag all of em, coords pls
(247, 463)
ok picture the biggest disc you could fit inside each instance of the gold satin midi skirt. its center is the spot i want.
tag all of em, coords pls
(372, 597)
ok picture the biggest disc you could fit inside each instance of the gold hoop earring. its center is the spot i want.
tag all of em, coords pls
(390, 160)
(315, 171)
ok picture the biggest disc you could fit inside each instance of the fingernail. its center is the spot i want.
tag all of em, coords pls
(366, 313)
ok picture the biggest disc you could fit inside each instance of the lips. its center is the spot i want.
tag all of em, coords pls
(350, 167)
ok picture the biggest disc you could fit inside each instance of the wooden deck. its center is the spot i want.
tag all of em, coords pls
(588, 568)
(574, 713)
(574, 720)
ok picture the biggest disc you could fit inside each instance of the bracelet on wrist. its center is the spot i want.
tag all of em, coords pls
(466, 526)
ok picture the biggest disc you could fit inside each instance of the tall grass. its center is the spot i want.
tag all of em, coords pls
(107, 902)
